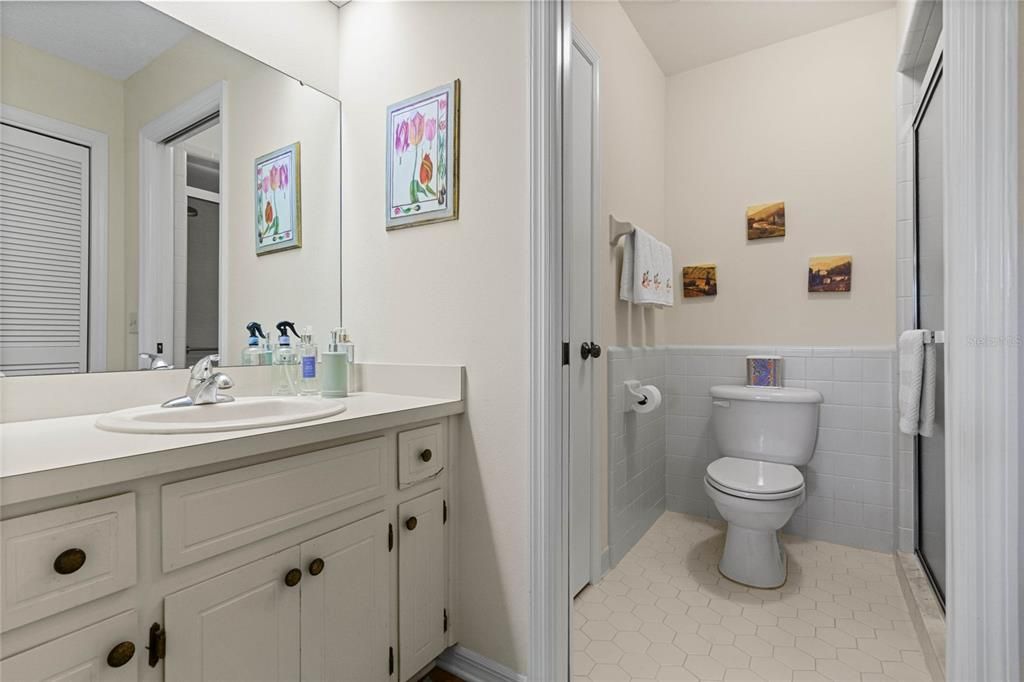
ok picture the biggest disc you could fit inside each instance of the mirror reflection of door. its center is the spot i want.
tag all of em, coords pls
(44, 254)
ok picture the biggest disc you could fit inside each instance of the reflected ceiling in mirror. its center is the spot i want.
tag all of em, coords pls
(142, 164)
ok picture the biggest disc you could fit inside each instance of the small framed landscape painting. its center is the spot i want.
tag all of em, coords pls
(423, 158)
(830, 274)
(278, 200)
(700, 280)
(766, 220)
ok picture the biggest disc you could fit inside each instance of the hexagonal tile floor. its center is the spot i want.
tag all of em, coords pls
(666, 613)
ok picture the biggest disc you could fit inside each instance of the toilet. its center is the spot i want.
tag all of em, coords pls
(762, 435)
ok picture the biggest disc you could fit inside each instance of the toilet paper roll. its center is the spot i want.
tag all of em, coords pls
(653, 396)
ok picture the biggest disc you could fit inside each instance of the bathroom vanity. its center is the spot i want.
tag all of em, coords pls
(319, 550)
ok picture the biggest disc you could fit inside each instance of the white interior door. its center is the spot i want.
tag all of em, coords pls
(44, 254)
(579, 319)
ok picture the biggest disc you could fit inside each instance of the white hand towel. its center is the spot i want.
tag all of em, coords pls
(646, 270)
(917, 383)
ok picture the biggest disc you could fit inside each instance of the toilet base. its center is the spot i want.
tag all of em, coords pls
(754, 558)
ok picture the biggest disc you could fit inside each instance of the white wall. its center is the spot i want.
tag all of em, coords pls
(44, 84)
(299, 37)
(265, 111)
(452, 292)
(809, 121)
(632, 167)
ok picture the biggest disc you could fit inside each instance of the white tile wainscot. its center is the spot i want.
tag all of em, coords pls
(850, 480)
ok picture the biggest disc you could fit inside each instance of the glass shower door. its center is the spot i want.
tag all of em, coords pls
(931, 451)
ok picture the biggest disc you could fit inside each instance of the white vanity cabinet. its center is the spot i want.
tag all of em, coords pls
(329, 562)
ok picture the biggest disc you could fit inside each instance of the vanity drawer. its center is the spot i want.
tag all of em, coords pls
(421, 455)
(206, 516)
(64, 557)
(108, 651)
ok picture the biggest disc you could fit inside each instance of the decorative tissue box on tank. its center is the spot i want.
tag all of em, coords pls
(764, 370)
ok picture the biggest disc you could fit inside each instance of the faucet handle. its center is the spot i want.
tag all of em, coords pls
(204, 367)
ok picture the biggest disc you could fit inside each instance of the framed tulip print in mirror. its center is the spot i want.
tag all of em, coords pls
(278, 200)
(423, 158)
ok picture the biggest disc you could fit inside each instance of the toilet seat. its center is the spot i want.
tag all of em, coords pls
(753, 479)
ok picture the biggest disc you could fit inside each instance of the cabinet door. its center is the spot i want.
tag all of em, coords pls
(108, 651)
(421, 582)
(345, 605)
(242, 625)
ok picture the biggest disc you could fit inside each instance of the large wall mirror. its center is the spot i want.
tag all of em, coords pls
(159, 191)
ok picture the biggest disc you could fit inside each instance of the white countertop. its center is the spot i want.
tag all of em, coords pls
(48, 457)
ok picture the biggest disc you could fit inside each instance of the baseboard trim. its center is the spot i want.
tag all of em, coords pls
(472, 667)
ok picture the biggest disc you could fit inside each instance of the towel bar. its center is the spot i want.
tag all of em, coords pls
(617, 229)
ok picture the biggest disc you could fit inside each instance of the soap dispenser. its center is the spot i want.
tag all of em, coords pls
(335, 379)
(254, 353)
(286, 362)
(308, 384)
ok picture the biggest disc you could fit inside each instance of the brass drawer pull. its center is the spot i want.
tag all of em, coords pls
(292, 577)
(426, 455)
(69, 561)
(410, 523)
(316, 566)
(120, 654)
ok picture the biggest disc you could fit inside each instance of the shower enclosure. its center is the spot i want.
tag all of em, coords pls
(930, 543)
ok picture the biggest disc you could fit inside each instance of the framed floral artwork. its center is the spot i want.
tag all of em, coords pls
(278, 200)
(423, 158)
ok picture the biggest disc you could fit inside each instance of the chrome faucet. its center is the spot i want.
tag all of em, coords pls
(155, 361)
(204, 385)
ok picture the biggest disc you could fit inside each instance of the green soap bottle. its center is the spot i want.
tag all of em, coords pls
(334, 379)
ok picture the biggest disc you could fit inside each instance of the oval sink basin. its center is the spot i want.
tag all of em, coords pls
(243, 413)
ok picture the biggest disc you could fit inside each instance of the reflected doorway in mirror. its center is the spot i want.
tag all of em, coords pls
(278, 200)
(422, 148)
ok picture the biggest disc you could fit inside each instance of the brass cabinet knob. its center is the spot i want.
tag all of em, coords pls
(69, 561)
(292, 577)
(120, 654)
(426, 455)
(316, 566)
(410, 523)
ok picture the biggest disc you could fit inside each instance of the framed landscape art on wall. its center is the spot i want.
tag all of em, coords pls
(423, 158)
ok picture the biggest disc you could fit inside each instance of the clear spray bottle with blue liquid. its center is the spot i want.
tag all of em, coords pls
(286, 362)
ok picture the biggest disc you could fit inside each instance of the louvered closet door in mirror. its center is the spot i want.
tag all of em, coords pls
(44, 254)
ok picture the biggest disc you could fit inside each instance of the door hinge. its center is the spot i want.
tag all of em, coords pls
(157, 644)
(391, 660)
(391, 537)
(445, 620)
(565, 353)
(444, 512)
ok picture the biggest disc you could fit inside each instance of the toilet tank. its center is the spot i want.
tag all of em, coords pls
(767, 424)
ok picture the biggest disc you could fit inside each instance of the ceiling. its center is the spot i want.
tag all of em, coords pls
(114, 38)
(685, 34)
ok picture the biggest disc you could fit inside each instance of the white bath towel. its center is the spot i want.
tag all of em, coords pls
(917, 383)
(646, 270)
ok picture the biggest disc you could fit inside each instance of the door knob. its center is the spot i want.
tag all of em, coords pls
(410, 523)
(292, 577)
(316, 566)
(590, 350)
(595, 350)
(426, 455)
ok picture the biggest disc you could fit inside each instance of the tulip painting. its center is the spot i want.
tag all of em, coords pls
(278, 201)
(422, 158)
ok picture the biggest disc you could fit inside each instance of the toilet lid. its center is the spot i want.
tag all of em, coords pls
(752, 477)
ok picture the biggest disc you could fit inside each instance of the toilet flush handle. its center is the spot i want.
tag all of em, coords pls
(720, 403)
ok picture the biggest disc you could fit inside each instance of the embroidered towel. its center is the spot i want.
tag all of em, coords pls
(917, 383)
(646, 270)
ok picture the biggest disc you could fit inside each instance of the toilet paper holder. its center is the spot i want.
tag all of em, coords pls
(634, 388)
